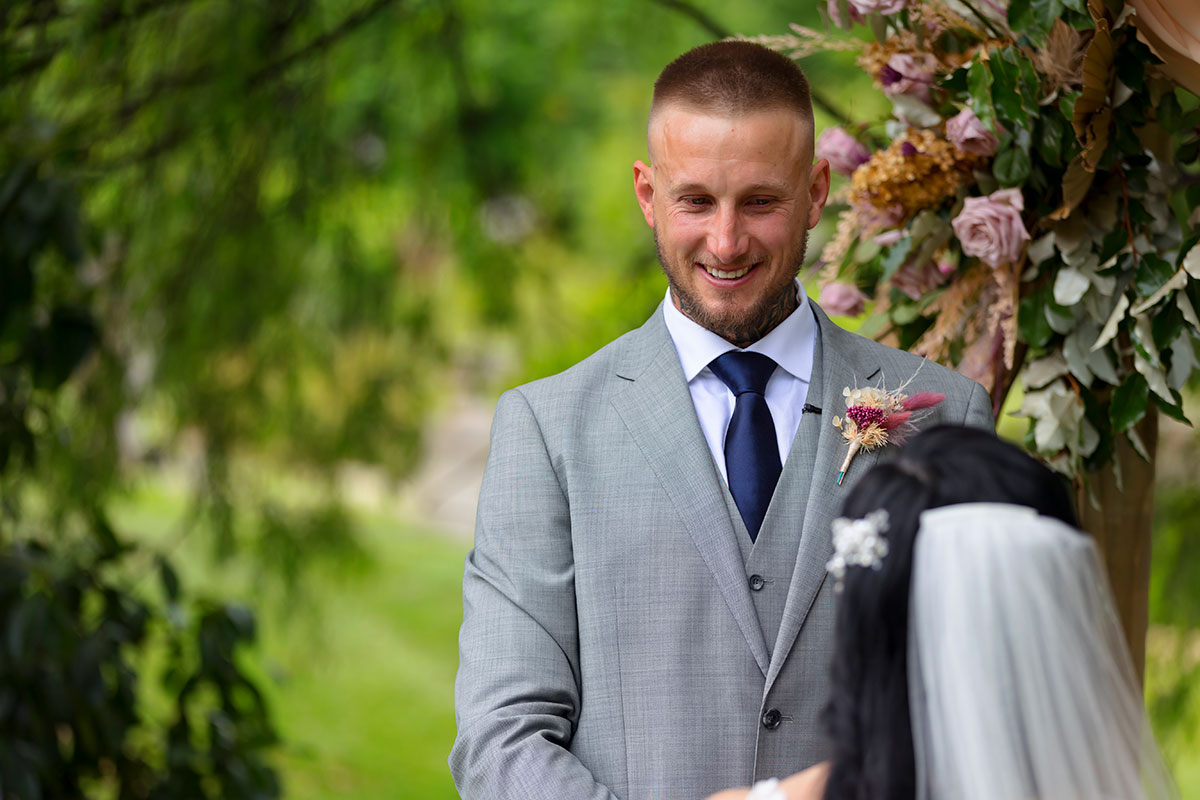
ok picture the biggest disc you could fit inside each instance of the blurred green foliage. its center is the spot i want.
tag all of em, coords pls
(242, 243)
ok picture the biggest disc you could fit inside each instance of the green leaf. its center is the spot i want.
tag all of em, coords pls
(1188, 152)
(904, 314)
(957, 81)
(1020, 14)
(1012, 167)
(1113, 241)
(1128, 405)
(1048, 142)
(1165, 326)
(896, 256)
(1152, 272)
(1192, 195)
(1131, 68)
(1045, 12)
(979, 85)
(878, 27)
(169, 579)
(1184, 249)
(1170, 115)
(1172, 410)
(1006, 88)
(874, 325)
(1031, 318)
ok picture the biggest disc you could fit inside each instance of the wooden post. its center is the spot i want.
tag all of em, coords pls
(1122, 527)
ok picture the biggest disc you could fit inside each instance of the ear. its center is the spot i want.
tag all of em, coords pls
(643, 187)
(818, 191)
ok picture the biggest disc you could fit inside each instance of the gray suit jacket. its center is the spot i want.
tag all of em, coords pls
(610, 645)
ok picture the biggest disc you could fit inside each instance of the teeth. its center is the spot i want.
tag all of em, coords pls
(716, 273)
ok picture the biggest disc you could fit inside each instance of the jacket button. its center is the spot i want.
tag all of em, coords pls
(771, 718)
(756, 583)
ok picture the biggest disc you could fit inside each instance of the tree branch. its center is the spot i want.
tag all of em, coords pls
(718, 32)
(350, 23)
(698, 16)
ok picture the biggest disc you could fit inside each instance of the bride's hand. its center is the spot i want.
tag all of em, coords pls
(806, 785)
(730, 794)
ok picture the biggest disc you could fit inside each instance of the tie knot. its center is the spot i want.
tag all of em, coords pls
(743, 372)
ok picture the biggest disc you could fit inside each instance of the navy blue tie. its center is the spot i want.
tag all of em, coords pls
(751, 449)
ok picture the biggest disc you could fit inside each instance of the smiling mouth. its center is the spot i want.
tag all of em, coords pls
(728, 274)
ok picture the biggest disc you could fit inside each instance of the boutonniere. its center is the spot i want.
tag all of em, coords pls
(876, 418)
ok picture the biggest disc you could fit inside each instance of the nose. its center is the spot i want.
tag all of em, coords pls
(727, 240)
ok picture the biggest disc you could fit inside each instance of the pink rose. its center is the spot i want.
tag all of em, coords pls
(916, 283)
(968, 134)
(877, 6)
(908, 73)
(843, 152)
(835, 15)
(990, 228)
(842, 299)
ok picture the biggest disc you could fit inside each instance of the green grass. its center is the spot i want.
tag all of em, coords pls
(366, 701)
(358, 664)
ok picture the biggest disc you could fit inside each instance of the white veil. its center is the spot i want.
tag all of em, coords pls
(1020, 683)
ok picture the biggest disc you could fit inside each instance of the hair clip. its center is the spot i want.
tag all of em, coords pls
(857, 543)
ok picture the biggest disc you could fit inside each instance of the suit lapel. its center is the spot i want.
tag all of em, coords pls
(657, 409)
(843, 362)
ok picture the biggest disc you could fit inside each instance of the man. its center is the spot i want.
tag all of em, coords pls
(645, 612)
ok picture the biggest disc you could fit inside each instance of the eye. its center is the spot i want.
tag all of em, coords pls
(695, 202)
(759, 202)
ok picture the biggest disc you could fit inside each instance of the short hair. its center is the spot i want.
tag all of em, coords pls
(734, 78)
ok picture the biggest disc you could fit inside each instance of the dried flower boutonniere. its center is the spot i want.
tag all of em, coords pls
(877, 417)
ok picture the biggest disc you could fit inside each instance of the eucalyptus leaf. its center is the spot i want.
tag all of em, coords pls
(1070, 284)
(1183, 360)
(1152, 273)
(904, 314)
(896, 256)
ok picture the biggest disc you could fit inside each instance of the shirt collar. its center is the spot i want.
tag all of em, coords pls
(790, 344)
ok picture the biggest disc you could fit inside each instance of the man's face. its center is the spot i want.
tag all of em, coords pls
(731, 201)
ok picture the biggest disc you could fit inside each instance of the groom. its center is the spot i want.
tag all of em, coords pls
(646, 612)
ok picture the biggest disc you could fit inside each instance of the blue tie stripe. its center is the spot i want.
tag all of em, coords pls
(751, 448)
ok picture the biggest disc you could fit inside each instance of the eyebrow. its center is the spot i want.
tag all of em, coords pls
(754, 188)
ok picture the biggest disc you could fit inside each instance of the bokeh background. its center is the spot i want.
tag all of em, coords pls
(265, 268)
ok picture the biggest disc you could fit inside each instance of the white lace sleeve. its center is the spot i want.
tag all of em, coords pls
(766, 790)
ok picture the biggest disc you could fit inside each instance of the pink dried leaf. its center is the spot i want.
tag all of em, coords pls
(923, 400)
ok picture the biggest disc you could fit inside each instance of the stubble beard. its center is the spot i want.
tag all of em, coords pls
(740, 329)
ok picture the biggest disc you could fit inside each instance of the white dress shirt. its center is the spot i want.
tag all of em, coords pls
(790, 345)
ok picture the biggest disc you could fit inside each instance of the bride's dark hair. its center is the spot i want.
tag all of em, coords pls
(868, 715)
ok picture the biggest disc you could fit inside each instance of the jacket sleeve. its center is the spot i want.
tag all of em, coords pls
(517, 693)
(979, 409)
